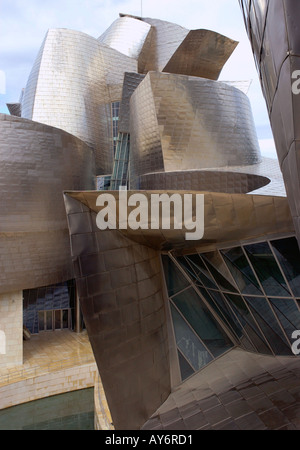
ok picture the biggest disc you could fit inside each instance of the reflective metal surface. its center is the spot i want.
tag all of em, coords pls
(120, 288)
(203, 53)
(37, 163)
(14, 109)
(72, 84)
(273, 31)
(119, 282)
(127, 35)
(192, 123)
(187, 135)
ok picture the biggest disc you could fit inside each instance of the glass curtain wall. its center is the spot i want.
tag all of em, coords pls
(254, 290)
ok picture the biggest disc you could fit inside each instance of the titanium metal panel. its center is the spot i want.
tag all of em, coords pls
(127, 35)
(120, 289)
(131, 82)
(37, 163)
(72, 84)
(209, 180)
(192, 123)
(14, 109)
(227, 218)
(203, 53)
(166, 37)
(273, 30)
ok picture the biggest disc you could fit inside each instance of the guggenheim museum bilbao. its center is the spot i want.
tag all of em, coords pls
(196, 333)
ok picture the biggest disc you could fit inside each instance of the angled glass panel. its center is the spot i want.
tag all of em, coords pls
(188, 268)
(174, 278)
(201, 271)
(217, 302)
(269, 325)
(249, 326)
(288, 255)
(241, 271)
(267, 270)
(288, 314)
(186, 369)
(223, 283)
(188, 343)
(202, 321)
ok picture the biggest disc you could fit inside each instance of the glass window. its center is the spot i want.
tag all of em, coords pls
(201, 320)
(49, 323)
(269, 325)
(188, 268)
(223, 283)
(57, 314)
(250, 328)
(223, 310)
(41, 316)
(174, 278)
(201, 271)
(188, 343)
(65, 318)
(288, 255)
(186, 369)
(288, 314)
(267, 270)
(241, 271)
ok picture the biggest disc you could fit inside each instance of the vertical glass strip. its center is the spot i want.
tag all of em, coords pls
(249, 326)
(186, 369)
(188, 343)
(267, 270)
(241, 271)
(288, 255)
(202, 322)
(269, 325)
(174, 278)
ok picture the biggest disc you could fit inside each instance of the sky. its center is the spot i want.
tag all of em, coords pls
(24, 24)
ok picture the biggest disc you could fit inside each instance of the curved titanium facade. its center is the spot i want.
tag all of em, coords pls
(38, 162)
(157, 307)
(120, 289)
(274, 35)
(127, 35)
(121, 292)
(203, 53)
(192, 123)
(72, 85)
(212, 181)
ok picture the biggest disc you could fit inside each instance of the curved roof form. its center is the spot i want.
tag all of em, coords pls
(37, 163)
(72, 84)
(163, 46)
(192, 123)
(126, 35)
(203, 53)
(228, 218)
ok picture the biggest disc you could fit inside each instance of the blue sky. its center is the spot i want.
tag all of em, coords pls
(23, 25)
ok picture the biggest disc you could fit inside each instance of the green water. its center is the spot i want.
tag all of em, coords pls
(71, 411)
